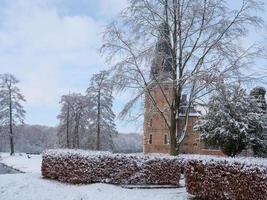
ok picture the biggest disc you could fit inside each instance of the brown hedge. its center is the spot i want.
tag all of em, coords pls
(236, 179)
(101, 167)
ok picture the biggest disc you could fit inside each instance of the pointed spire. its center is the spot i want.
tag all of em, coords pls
(162, 62)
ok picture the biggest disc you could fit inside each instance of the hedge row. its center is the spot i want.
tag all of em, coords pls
(101, 167)
(223, 178)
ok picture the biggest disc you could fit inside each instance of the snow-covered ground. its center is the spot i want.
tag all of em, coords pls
(23, 162)
(31, 186)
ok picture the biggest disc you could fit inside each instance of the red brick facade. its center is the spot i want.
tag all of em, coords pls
(156, 134)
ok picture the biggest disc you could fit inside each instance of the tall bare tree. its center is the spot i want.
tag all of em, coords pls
(201, 45)
(73, 119)
(11, 110)
(65, 120)
(100, 95)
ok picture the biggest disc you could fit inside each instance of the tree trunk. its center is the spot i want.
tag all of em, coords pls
(175, 94)
(68, 121)
(76, 131)
(11, 138)
(173, 135)
(98, 122)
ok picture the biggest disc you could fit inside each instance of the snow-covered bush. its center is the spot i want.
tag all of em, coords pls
(226, 178)
(234, 121)
(93, 167)
(260, 150)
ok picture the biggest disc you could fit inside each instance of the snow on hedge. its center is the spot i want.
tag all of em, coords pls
(77, 166)
(247, 162)
(212, 177)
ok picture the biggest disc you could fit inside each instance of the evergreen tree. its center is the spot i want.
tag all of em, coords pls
(260, 147)
(11, 110)
(234, 121)
(100, 95)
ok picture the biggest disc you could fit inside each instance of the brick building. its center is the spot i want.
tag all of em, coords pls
(156, 133)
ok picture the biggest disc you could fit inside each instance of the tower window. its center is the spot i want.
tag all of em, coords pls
(150, 139)
(151, 122)
(166, 139)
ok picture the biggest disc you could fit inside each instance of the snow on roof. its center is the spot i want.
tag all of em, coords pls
(190, 114)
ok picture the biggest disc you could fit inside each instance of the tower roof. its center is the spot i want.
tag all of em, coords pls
(162, 62)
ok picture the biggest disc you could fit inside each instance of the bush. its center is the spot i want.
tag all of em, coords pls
(101, 167)
(223, 178)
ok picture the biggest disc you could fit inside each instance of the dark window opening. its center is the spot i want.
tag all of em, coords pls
(150, 139)
(166, 139)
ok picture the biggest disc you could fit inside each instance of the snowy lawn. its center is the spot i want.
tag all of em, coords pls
(23, 162)
(31, 186)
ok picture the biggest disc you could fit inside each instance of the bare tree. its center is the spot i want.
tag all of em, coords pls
(11, 110)
(192, 45)
(73, 119)
(100, 95)
(64, 117)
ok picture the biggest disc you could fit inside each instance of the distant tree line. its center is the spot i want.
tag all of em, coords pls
(87, 121)
(34, 139)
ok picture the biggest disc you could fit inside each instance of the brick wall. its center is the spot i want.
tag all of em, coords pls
(154, 125)
(155, 128)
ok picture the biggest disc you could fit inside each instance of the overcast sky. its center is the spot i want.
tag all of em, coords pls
(51, 46)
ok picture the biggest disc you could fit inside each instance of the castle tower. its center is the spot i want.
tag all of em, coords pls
(156, 133)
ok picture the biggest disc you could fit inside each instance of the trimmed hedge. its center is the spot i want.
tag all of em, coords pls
(101, 167)
(213, 178)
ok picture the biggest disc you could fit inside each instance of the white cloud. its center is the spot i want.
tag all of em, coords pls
(37, 43)
(50, 52)
(111, 7)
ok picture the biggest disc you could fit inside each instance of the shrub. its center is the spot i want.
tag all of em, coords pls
(225, 178)
(101, 167)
